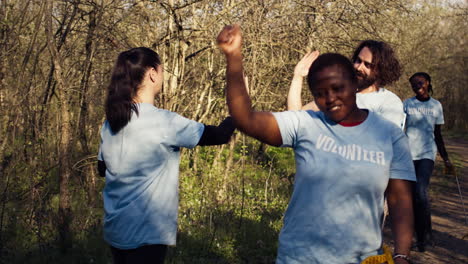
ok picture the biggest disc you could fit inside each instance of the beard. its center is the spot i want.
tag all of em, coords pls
(365, 80)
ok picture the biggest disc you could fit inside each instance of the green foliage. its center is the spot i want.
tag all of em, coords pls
(240, 222)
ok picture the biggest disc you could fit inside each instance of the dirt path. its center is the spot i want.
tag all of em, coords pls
(449, 224)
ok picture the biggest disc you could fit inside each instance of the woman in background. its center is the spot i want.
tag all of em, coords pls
(139, 156)
(424, 117)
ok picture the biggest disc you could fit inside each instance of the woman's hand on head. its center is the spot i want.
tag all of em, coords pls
(229, 40)
(303, 66)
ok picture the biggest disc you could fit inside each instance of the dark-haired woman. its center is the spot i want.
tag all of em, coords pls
(139, 156)
(423, 123)
(346, 159)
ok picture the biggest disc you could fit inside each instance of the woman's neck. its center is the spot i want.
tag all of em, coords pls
(372, 88)
(423, 98)
(145, 95)
(356, 116)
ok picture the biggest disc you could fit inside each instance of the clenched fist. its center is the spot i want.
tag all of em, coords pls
(230, 40)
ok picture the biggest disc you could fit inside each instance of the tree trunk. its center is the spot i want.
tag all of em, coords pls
(65, 138)
(89, 172)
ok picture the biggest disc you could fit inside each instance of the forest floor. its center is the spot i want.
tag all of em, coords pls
(449, 215)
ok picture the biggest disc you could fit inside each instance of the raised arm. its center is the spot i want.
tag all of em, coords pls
(311, 106)
(260, 125)
(295, 90)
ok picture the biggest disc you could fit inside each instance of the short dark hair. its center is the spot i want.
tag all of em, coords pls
(126, 78)
(426, 76)
(385, 64)
(328, 60)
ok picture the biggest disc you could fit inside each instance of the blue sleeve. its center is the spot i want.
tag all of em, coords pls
(393, 111)
(99, 155)
(405, 106)
(402, 166)
(440, 114)
(288, 123)
(185, 132)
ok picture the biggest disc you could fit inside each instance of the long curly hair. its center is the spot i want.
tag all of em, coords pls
(385, 64)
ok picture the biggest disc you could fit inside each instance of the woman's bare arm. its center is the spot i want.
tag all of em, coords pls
(260, 125)
(400, 205)
(441, 147)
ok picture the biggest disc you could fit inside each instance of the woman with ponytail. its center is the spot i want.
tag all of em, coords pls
(424, 118)
(139, 156)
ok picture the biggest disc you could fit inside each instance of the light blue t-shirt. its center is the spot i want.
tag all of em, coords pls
(384, 103)
(141, 194)
(421, 118)
(335, 211)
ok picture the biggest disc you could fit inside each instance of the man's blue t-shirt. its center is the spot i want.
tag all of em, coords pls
(335, 211)
(141, 195)
(384, 103)
(421, 118)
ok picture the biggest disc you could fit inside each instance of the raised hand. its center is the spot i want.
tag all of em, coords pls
(230, 40)
(303, 66)
(300, 71)
(260, 125)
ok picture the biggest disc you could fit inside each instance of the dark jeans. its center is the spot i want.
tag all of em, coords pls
(422, 207)
(149, 254)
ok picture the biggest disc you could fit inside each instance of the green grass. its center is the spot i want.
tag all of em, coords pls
(221, 220)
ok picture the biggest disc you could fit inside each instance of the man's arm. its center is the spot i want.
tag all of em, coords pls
(300, 71)
(311, 106)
